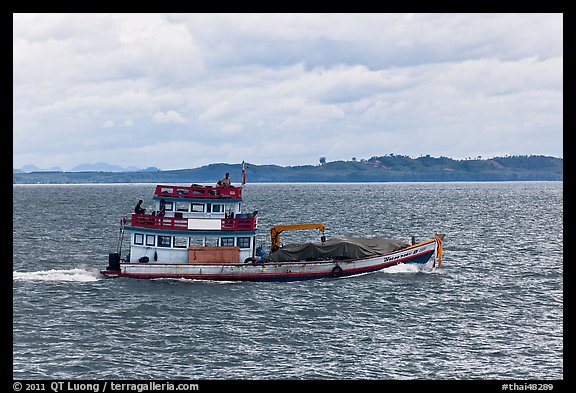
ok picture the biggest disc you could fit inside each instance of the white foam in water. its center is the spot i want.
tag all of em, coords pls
(78, 275)
(402, 268)
(199, 281)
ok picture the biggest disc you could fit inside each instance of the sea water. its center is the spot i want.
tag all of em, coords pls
(493, 311)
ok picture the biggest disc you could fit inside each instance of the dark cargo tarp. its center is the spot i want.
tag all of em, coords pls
(337, 248)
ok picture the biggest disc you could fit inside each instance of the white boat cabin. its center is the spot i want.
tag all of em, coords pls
(197, 224)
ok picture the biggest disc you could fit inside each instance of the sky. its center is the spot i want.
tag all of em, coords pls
(179, 91)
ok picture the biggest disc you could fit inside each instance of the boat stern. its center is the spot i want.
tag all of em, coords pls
(110, 273)
(113, 268)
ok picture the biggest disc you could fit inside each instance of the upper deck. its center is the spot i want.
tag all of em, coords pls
(197, 191)
(194, 224)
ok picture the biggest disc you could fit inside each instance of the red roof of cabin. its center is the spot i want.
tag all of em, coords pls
(197, 191)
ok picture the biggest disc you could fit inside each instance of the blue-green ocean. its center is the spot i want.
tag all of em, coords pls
(494, 310)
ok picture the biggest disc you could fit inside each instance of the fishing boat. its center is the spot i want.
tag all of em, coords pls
(202, 232)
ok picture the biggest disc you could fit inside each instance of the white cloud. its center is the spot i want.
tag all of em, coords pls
(168, 117)
(285, 88)
(124, 123)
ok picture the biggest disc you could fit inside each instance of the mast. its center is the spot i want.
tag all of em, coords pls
(244, 167)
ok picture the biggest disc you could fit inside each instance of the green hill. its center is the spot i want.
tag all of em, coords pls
(387, 168)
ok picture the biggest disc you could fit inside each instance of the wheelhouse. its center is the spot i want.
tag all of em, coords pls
(193, 224)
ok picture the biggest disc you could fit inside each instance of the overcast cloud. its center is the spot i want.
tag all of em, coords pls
(184, 90)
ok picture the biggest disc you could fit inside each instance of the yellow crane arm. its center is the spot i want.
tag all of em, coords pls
(278, 229)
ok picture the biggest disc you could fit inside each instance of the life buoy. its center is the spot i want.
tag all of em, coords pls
(337, 271)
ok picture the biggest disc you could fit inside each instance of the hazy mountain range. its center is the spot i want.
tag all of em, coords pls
(97, 167)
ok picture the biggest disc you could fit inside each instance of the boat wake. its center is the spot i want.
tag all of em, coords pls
(197, 281)
(402, 268)
(77, 275)
(409, 268)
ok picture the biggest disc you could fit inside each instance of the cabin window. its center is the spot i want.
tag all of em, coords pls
(197, 208)
(196, 241)
(150, 240)
(180, 242)
(164, 241)
(217, 208)
(181, 206)
(211, 241)
(244, 242)
(169, 206)
(138, 238)
(227, 241)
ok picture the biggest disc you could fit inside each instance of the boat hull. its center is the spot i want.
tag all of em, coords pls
(422, 254)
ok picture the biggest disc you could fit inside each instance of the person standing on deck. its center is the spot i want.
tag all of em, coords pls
(162, 210)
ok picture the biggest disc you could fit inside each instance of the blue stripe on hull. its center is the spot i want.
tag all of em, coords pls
(422, 259)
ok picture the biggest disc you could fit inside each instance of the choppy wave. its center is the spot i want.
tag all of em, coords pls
(485, 314)
(77, 274)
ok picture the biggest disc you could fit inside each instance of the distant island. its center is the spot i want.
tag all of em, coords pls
(387, 168)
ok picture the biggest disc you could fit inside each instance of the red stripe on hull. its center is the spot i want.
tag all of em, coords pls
(280, 276)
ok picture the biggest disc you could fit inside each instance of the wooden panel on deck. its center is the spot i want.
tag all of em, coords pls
(210, 254)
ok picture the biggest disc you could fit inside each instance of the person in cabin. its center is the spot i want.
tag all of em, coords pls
(226, 182)
(162, 210)
(139, 209)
